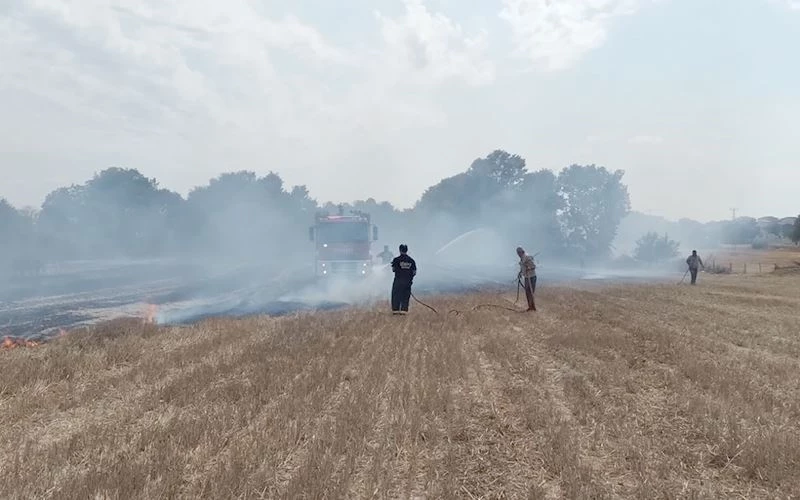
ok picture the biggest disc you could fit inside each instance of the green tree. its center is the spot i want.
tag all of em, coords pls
(485, 195)
(499, 170)
(595, 201)
(484, 181)
(652, 248)
(796, 232)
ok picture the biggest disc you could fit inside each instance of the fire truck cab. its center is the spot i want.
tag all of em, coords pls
(343, 244)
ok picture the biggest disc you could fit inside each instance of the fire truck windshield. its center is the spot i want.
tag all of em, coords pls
(343, 232)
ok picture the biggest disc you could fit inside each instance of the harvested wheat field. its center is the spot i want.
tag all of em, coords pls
(753, 260)
(628, 391)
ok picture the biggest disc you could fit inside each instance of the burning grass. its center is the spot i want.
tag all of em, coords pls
(13, 343)
(626, 391)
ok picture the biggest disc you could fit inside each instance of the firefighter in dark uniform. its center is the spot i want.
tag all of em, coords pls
(404, 268)
(386, 256)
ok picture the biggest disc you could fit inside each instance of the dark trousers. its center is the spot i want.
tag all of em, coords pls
(693, 271)
(401, 295)
(530, 288)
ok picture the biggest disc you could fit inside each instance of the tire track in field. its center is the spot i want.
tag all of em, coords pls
(381, 451)
(296, 467)
(79, 430)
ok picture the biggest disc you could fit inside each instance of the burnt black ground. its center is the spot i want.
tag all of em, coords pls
(91, 292)
(37, 307)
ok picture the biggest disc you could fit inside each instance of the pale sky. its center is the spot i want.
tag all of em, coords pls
(697, 100)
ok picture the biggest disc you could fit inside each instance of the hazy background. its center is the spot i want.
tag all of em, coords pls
(175, 153)
(696, 100)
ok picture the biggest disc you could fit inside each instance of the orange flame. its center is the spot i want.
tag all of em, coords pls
(12, 343)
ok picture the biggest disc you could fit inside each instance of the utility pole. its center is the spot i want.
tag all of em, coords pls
(733, 211)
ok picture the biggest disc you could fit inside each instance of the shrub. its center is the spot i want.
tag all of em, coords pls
(652, 248)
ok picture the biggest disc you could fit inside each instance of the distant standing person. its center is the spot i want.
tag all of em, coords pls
(405, 269)
(387, 255)
(694, 260)
(527, 273)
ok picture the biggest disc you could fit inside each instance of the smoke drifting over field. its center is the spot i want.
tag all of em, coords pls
(240, 245)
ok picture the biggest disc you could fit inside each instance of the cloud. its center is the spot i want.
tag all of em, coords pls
(152, 63)
(186, 89)
(646, 139)
(432, 49)
(554, 34)
(790, 4)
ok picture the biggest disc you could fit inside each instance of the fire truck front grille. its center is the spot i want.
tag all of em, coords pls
(343, 267)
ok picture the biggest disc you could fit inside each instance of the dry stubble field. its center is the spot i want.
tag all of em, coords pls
(653, 391)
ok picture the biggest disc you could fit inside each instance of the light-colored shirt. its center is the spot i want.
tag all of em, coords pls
(527, 268)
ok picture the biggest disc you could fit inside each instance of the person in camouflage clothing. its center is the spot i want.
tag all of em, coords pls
(527, 274)
(695, 262)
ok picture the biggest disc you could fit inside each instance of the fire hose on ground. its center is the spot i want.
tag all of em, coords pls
(479, 306)
(475, 308)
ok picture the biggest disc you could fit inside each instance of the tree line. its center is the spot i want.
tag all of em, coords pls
(120, 213)
(655, 247)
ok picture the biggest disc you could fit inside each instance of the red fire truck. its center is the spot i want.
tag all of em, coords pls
(343, 244)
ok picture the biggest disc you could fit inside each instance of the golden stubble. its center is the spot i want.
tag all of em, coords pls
(627, 391)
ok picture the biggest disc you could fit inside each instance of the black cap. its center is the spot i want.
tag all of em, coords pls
(403, 247)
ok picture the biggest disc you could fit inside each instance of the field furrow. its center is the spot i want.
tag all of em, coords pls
(623, 391)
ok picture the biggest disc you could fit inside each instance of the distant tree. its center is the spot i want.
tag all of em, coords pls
(774, 228)
(458, 194)
(534, 217)
(486, 179)
(119, 212)
(500, 171)
(742, 231)
(302, 200)
(487, 194)
(787, 230)
(16, 236)
(239, 215)
(393, 223)
(595, 201)
(63, 221)
(11, 220)
(796, 232)
(652, 248)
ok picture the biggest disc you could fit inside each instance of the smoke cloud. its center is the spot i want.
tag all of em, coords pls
(240, 245)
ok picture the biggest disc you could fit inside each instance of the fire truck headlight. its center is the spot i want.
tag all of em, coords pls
(363, 272)
(324, 264)
(324, 245)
